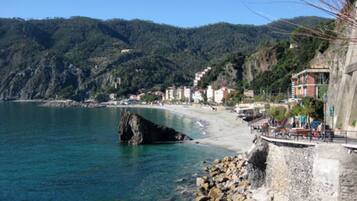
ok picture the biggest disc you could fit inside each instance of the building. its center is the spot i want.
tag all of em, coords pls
(112, 96)
(197, 97)
(180, 94)
(123, 51)
(221, 94)
(309, 82)
(161, 94)
(187, 93)
(140, 96)
(117, 82)
(200, 75)
(134, 98)
(249, 93)
(170, 94)
(210, 94)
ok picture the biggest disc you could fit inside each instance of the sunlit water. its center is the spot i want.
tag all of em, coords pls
(73, 154)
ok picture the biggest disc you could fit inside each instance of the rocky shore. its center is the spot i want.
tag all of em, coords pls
(234, 178)
(225, 179)
(71, 103)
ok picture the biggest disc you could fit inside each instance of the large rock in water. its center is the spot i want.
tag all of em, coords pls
(134, 130)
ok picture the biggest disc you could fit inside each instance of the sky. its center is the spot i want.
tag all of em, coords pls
(182, 13)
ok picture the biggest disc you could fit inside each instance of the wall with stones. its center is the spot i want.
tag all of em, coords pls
(325, 172)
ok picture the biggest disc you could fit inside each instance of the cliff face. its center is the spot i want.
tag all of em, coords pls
(238, 68)
(260, 61)
(341, 58)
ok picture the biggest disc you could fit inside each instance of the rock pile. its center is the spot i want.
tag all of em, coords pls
(70, 103)
(226, 179)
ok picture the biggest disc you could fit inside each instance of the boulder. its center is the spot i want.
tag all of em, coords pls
(202, 198)
(200, 181)
(135, 130)
(215, 193)
(256, 163)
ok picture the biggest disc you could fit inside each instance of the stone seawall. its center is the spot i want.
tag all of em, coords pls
(324, 172)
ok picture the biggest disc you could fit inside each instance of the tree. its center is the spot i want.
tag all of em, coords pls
(309, 107)
(279, 113)
(234, 98)
(149, 98)
(102, 98)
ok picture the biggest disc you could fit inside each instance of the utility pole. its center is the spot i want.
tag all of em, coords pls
(325, 112)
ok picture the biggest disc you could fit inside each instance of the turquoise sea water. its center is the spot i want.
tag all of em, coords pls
(73, 154)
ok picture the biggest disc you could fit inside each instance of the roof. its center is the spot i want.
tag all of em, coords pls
(311, 70)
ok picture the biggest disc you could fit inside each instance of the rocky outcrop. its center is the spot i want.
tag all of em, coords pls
(226, 179)
(262, 60)
(256, 167)
(234, 178)
(135, 130)
(70, 103)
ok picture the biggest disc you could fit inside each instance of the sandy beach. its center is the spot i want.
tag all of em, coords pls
(221, 127)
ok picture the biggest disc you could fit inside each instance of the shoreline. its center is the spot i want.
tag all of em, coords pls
(221, 127)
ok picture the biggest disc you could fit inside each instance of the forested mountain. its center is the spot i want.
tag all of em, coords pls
(269, 69)
(79, 57)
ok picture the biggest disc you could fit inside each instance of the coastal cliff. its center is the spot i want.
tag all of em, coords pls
(135, 130)
(341, 59)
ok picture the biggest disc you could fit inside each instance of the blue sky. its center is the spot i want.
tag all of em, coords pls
(183, 13)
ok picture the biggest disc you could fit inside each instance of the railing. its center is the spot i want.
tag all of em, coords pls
(345, 135)
(308, 135)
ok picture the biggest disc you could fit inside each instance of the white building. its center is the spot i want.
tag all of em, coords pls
(200, 75)
(134, 98)
(170, 94)
(187, 93)
(117, 82)
(112, 96)
(180, 93)
(210, 94)
(221, 94)
(166, 97)
(197, 97)
(125, 51)
(218, 96)
(249, 93)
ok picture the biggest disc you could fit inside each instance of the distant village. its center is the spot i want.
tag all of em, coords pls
(183, 94)
(307, 83)
(195, 94)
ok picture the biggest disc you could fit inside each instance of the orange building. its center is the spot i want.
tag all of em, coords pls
(309, 82)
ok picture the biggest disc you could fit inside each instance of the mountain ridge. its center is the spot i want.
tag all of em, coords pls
(81, 47)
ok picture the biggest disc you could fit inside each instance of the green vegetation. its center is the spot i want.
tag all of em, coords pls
(271, 66)
(102, 98)
(234, 98)
(290, 60)
(354, 123)
(279, 113)
(78, 57)
(309, 107)
(149, 98)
